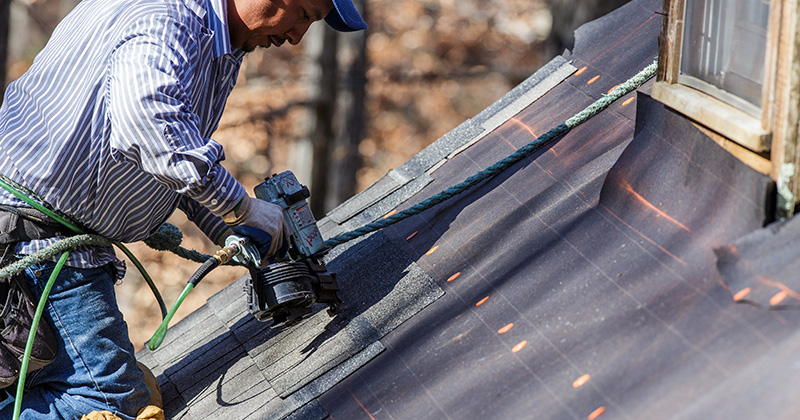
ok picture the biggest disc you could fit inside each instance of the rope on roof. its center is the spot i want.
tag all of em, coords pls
(633, 83)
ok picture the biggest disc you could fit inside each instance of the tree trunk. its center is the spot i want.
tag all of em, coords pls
(5, 11)
(322, 134)
(351, 115)
(336, 118)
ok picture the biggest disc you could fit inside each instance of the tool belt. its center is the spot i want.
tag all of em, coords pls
(22, 224)
(17, 304)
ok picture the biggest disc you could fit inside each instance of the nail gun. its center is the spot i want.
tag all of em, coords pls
(285, 291)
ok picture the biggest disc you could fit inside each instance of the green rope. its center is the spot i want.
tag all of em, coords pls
(169, 238)
(51, 251)
(577, 119)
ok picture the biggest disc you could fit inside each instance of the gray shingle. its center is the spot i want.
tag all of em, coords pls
(242, 395)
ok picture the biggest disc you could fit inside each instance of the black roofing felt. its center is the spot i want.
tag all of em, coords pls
(581, 282)
(763, 267)
(607, 275)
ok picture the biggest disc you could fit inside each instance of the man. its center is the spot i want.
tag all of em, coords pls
(111, 126)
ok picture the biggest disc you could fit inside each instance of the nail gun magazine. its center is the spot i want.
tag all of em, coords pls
(285, 291)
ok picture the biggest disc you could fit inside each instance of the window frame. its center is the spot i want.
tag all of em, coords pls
(740, 126)
(769, 143)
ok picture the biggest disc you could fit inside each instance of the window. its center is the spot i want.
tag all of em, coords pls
(717, 67)
(723, 51)
(730, 66)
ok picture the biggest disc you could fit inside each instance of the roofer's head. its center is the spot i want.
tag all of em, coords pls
(262, 23)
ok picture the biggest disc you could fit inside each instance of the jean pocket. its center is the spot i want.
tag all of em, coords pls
(38, 274)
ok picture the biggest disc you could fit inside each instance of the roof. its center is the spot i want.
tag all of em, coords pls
(595, 277)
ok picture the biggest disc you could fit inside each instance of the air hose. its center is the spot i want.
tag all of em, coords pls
(221, 257)
(23, 370)
(198, 275)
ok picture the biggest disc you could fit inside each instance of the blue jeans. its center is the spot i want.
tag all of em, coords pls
(95, 368)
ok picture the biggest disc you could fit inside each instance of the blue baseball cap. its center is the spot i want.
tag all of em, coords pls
(344, 17)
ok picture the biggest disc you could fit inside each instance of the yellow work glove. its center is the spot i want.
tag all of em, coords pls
(150, 412)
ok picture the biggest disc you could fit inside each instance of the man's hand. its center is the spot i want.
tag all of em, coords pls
(259, 220)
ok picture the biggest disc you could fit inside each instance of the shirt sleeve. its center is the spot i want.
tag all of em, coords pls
(151, 120)
(211, 225)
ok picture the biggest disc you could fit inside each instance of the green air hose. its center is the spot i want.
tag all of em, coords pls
(221, 257)
(23, 370)
(201, 272)
(161, 332)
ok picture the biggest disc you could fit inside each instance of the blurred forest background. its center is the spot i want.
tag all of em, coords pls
(339, 110)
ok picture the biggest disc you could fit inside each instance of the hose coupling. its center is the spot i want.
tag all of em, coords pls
(227, 253)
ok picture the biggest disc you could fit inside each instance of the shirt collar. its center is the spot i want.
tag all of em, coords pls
(217, 21)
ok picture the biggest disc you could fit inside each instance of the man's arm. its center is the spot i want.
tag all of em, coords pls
(211, 225)
(153, 127)
(151, 120)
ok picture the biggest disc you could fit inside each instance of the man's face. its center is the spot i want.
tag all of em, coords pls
(261, 23)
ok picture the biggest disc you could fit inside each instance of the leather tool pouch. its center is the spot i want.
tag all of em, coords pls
(20, 224)
(17, 304)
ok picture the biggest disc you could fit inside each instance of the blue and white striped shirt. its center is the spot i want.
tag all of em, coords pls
(111, 123)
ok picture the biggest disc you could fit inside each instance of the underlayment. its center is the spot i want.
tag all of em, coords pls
(607, 274)
(763, 268)
(584, 281)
